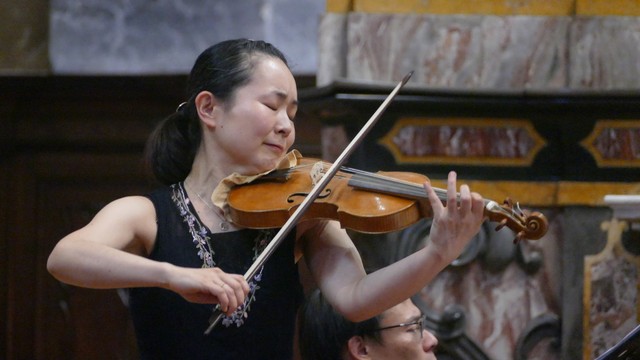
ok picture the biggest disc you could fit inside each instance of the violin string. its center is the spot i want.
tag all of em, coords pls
(407, 187)
(368, 180)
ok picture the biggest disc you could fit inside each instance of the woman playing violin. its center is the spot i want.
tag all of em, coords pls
(179, 256)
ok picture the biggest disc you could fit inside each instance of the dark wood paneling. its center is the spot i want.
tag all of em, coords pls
(68, 145)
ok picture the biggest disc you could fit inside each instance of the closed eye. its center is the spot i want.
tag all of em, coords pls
(271, 106)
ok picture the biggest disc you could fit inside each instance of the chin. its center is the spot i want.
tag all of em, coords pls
(266, 166)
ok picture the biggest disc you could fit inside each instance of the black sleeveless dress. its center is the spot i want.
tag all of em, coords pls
(169, 327)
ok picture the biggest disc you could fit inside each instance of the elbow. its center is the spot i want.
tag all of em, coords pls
(52, 265)
(55, 266)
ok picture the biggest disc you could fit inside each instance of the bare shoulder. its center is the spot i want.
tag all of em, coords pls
(126, 222)
(130, 208)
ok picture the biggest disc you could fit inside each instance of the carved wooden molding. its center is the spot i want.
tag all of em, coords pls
(611, 303)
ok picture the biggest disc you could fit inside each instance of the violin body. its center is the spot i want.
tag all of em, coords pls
(268, 202)
(365, 202)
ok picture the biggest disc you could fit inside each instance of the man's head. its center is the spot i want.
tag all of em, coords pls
(397, 333)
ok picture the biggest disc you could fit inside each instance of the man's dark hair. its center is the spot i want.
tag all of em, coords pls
(324, 333)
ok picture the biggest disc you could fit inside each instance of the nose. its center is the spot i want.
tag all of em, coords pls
(284, 125)
(429, 341)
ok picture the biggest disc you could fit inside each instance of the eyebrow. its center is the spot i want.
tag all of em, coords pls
(283, 95)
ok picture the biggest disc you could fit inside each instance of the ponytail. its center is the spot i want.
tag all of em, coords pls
(171, 147)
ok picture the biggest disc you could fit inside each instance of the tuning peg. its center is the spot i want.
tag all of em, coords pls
(501, 224)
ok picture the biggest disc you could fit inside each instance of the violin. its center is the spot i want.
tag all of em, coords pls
(362, 201)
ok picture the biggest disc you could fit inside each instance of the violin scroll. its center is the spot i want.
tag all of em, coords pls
(527, 226)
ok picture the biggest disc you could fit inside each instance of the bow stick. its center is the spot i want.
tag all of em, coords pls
(313, 194)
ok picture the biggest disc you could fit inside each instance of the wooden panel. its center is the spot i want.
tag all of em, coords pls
(66, 322)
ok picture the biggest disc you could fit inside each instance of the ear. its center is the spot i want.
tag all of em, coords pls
(207, 106)
(357, 348)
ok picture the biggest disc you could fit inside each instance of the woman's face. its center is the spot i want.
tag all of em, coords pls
(255, 127)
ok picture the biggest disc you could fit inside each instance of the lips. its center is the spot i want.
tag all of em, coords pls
(280, 148)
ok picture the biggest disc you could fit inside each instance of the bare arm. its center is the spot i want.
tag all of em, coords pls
(337, 267)
(111, 252)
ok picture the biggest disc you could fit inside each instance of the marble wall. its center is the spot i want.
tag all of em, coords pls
(92, 37)
(482, 52)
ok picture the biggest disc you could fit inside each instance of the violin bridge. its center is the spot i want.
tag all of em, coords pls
(317, 170)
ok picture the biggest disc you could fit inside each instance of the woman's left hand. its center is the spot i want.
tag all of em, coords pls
(457, 221)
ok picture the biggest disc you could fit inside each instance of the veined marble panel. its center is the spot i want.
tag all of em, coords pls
(458, 51)
(499, 305)
(332, 47)
(614, 143)
(442, 51)
(165, 36)
(605, 53)
(498, 142)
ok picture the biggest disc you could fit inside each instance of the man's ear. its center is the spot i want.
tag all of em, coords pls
(207, 106)
(357, 348)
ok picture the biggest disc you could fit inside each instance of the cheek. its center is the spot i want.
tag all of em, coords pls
(292, 137)
(251, 114)
(406, 348)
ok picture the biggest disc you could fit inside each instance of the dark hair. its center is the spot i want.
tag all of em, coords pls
(324, 333)
(221, 69)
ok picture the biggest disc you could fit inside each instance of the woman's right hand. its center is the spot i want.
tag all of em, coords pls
(208, 286)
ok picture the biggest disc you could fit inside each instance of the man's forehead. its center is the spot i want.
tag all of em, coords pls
(400, 313)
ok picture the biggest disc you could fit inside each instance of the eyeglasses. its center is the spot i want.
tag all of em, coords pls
(419, 322)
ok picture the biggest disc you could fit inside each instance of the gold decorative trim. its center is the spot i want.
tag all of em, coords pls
(547, 193)
(536, 142)
(614, 128)
(607, 8)
(339, 6)
(484, 7)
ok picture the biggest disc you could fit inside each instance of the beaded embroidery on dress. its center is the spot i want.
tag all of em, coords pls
(202, 241)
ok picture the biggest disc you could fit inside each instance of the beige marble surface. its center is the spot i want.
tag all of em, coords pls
(517, 53)
(463, 51)
(500, 304)
(332, 62)
(605, 53)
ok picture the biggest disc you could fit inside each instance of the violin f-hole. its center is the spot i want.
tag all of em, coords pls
(326, 192)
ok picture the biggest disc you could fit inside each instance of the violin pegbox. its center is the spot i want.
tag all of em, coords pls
(526, 225)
